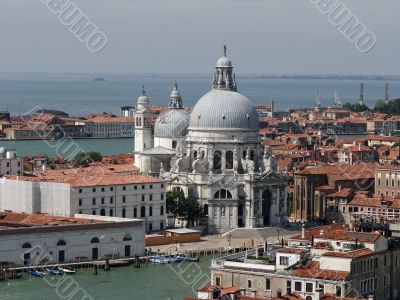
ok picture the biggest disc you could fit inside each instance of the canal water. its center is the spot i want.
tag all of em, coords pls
(69, 147)
(151, 282)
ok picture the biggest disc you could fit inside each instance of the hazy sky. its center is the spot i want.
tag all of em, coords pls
(186, 36)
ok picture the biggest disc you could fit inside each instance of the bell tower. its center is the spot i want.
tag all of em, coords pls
(143, 132)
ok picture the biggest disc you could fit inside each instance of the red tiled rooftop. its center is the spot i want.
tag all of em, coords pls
(314, 271)
(350, 254)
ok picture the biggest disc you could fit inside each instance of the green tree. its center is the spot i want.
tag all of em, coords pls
(183, 208)
(356, 107)
(83, 159)
(392, 107)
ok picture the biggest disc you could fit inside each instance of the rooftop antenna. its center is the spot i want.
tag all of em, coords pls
(386, 92)
(225, 50)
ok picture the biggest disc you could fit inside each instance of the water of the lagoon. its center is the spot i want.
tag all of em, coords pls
(154, 282)
(78, 94)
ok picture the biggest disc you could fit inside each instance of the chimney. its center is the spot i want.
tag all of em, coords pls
(303, 231)
(319, 293)
(243, 292)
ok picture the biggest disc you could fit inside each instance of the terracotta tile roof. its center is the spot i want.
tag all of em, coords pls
(314, 271)
(350, 254)
(94, 175)
(342, 171)
(40, 219)
(325, 188)
(343, 193)
(107, 119)
(291, 251)
(383, 138)
(378, 202)
(339, 232)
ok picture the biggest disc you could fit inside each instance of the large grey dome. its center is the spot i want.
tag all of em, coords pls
(172, 123)
(227, 110)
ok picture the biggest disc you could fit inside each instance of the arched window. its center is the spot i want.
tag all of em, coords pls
(223, 194)
(111, 212)
(151, 211)
(217, 161)
(135, 212)
(162, 210)
(127, 238)
(124, 213)
(61, 243)
(229, 160)
(26, 245)
(102, 212)
(195, 154)
(143, 212)
(94, 240)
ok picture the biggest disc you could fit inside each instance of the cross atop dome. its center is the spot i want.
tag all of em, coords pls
(224, 79)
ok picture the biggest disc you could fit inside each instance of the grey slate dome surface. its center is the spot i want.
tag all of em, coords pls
(172, 123)
(226, 110)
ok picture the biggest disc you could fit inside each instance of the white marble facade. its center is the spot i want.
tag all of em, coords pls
(216, 157)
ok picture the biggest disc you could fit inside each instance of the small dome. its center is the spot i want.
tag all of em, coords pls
(227, 110)
(224, 62)
(172, 123)
(143, 99)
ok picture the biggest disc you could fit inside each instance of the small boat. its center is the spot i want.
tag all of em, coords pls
(54, 271)
(67, 270)
(36, 273)
(160, 259)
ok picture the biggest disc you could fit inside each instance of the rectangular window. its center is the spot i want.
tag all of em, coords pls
(162, 196)
(143, 187)
(123, 199)
(80, 202)
(162, 186)
(102, 189)
(309, 287)
(80, 191)
(93, 190)
(143, 198)
(161, 225)
(151, 197)
(267, 284)
(135, 187)
(102, 201)
(124, 188)
(111, 200)
(298, 286)
(151, 186)
(284, 260)
(218, 281)
(94, 201)
(249, 283)
(111, 189)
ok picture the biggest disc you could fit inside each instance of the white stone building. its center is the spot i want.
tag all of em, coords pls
(109, 127)
(214, 155)
(94, 190)
(10, 163)
(32, 239)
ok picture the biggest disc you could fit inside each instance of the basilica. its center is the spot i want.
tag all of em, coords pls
(214, 154)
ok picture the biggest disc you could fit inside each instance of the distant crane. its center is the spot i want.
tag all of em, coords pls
(386, 92)
(317, 106)
(338, 102)
(361, 100)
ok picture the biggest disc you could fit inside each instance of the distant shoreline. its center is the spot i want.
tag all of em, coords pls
(103, 76)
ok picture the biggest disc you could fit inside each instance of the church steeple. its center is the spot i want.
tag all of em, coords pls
(175, 100)
(224, 79)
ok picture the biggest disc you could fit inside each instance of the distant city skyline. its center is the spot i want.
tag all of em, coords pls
(180, 36)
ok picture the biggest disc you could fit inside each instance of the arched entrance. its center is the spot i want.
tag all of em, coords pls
(266, 207)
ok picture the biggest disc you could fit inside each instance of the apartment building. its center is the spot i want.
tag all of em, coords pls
(31, 239)
(329, 261)
(96, 190)
(106, 126)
